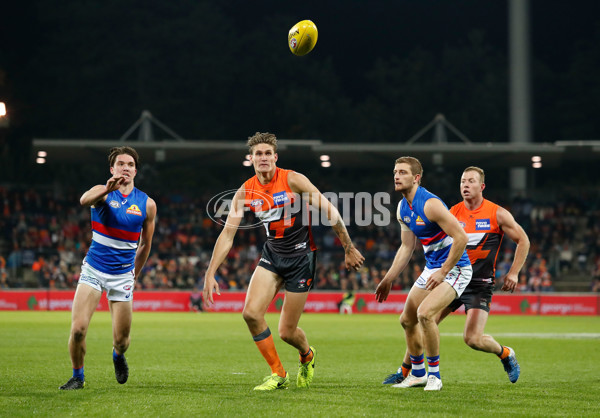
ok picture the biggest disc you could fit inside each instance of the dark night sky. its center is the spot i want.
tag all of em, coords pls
(208, 69)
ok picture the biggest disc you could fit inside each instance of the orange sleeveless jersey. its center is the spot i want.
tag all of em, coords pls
(485, 237)
(281, 214)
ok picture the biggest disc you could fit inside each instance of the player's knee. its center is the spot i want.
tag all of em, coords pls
(425, 317)
(286, 334)
(473, 341)
(250, 316)
(78, 332)
(121, 344)
(406, 321)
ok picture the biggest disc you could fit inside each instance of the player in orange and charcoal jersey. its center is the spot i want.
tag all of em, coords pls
(485, 224)
(288, 258)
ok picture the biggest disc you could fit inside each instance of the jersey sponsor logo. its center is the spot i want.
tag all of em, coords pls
(114, 204)
(419, 221)
(128, 295)
(134, 210)
(264, 260)
(125, 265)
(301, 283)
(256, 203)
(482, 224)
(407, 220)
(280, 198)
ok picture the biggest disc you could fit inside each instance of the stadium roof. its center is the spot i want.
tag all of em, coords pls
(232, 153)
(444, 145)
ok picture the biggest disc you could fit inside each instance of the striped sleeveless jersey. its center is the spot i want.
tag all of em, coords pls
(116, 228)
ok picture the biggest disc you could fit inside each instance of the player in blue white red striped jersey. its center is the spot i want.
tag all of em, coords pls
(122, 229)
(423, 216)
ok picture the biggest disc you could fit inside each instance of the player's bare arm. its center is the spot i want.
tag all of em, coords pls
(405, 252)
(301, 184)
(223, 245)
(437, 212)
(143, 251)
(97, 194)
(515, 232)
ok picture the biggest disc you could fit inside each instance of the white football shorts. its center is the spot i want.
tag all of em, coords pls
(458, 278)
(119, 287)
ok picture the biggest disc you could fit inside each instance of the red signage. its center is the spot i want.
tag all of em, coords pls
(324, 302)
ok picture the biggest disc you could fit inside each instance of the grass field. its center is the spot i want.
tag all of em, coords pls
(207, 365)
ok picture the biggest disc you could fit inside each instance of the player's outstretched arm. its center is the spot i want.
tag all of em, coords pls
(223, 245)
(97, 194)
(143, 251)
(515, 232)
(301, 184)
(405, 252)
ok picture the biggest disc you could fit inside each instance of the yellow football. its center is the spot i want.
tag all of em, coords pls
(302, 38)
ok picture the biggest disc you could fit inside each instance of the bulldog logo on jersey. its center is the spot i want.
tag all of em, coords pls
(134, 210)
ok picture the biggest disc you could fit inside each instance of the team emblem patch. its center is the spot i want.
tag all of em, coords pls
(114, 204)
(462, 224)
(134, 210)
(407, 220)
(256, 203)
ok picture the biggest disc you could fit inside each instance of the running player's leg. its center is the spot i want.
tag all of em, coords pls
(84, 304)
(293, 306)
(121, 314)
(473, 333)
(263, 287)
(292, 309)
(477, 340)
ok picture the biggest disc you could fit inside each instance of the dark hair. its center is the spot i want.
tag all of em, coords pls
(116, 151)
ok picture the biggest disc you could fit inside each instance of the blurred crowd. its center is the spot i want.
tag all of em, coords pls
(44, 237)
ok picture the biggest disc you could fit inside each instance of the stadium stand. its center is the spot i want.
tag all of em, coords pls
(44, 236)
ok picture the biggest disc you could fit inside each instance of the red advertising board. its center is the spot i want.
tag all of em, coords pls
(63, 300)
(324, 302)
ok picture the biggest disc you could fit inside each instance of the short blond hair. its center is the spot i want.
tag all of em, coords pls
(414, 164)
(478, 171)
(262, 138)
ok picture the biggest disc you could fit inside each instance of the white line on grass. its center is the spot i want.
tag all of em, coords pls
(549, 335)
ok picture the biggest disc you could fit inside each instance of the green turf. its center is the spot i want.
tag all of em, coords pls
(207, 364)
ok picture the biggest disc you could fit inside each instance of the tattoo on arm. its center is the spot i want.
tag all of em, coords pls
(340, 229)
